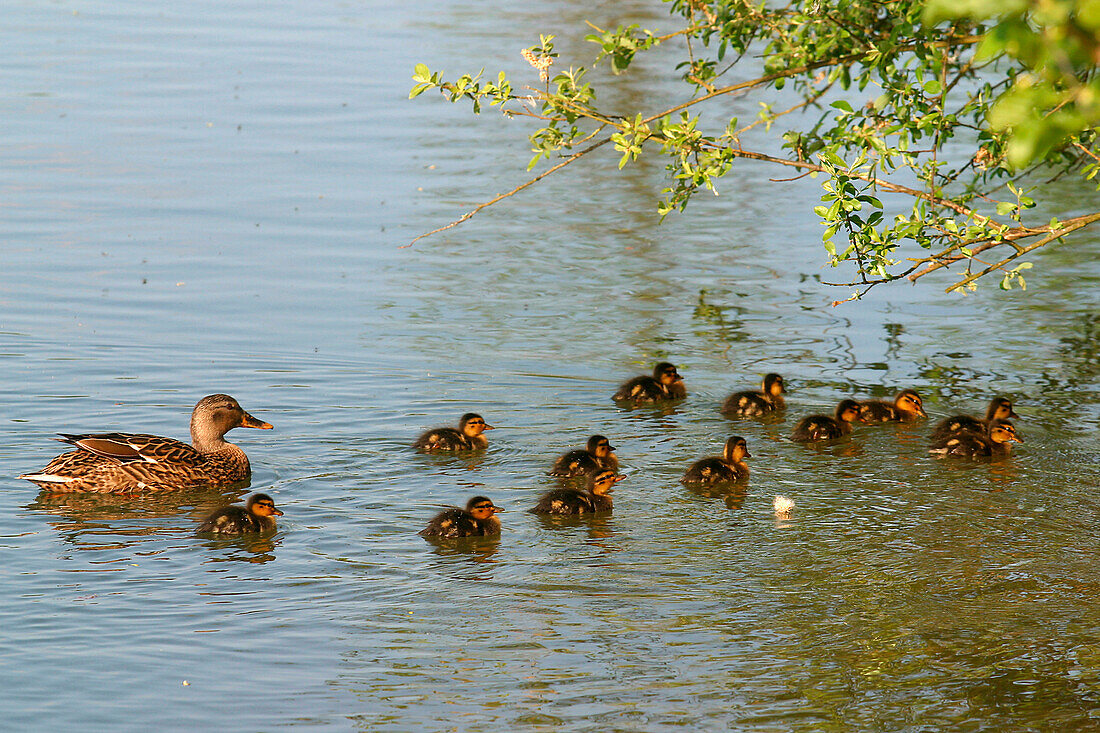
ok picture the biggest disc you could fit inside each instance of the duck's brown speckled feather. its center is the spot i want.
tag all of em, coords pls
(160, 464)
(124, 463)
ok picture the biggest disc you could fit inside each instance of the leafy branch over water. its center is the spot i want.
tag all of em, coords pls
(883, 87)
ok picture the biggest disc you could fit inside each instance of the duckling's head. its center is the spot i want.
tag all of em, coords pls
(473, 425)
(666, 373)
(602, 482)
(481, 508)
(909, 401)
(262, 505)
(600, 446)
(736, 450)
(848, 411)
(217, 414)
(1000, 408)
(1002, 431)
(773, 385)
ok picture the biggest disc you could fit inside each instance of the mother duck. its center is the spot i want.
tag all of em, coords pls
(127, 463)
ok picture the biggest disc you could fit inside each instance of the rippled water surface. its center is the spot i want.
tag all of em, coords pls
(211, 197)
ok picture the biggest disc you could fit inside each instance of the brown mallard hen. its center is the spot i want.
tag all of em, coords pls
(125, 463)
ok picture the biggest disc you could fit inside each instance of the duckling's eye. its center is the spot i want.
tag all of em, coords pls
(484, 506)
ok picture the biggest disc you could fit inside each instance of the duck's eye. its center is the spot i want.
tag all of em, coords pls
(484, 506)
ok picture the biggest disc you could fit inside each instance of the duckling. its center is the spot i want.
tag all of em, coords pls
(754, 404)
(822, 427)
(467, 437)
(476, 520)
(1000, 408)
(595, 498)
(906, 407)
(726, 469)
(996, 442)
(258, 515)
(128, 463)
(665, 384)
(596, 455)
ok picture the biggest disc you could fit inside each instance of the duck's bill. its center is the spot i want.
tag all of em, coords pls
(250, 422)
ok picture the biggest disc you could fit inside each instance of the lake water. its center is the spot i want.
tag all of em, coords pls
(211, 197)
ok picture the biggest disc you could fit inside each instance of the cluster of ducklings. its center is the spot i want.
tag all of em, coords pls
(132, 463)
(960, 435)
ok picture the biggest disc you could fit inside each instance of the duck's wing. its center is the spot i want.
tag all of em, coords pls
(134, 447)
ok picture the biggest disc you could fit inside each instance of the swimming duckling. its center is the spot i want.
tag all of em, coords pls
(996, 441)
(467, 437)
(754, 404)
(906, 407)
(598, 454)
(595, 498)
(1000, 408)
(258, 515)
(728, 468)
(476, 520)
(665, 384)
(127, 463)
(822, 427)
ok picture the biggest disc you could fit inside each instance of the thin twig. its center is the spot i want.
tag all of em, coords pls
(513, 192)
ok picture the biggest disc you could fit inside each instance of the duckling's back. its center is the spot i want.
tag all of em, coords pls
(568, 501)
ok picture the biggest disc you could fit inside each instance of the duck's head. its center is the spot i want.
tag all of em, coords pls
(666, 373)
(482, 507)
(262, 505)
(473, 425)
(217, 414)
(599, 446)
(602, 482)
(1002, 431)
(848, 411)
(736, 450)
(773, 385)
(1000, 408)
(909, 401)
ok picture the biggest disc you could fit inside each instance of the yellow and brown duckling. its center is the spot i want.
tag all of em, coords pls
(754, 404)
(822, 427)
(594, 499)
(468, 436)
(1000, 408)
(995, 442)
(257, 515)
(124, 463)
(906, 407)
(665, 384)
(728, 468)
(478, 519)
(596, 455)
